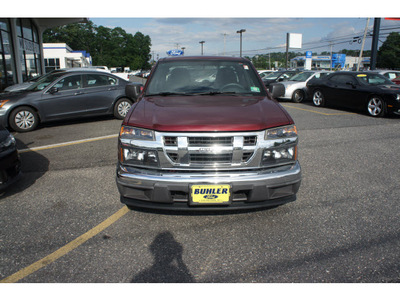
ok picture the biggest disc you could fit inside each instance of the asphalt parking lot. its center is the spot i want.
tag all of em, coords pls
(64, 223)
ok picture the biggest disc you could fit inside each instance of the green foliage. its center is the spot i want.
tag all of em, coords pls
(108, 47)
(389, 52)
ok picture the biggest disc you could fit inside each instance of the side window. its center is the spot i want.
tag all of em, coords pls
(343, 79)
(69, 83)
(95, 80)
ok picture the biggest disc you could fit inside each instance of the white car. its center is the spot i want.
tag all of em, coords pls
(296, 88)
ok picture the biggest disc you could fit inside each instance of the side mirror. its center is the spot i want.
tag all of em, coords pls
(53, 90)
(133, 90)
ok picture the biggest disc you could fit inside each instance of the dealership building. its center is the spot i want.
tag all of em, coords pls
(21, 47)
(327, 62)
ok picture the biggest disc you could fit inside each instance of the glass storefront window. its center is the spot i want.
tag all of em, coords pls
(3, 24)
(27, 29)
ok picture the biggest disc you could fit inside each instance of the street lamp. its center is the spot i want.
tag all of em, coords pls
(241, 31)
(202, 42)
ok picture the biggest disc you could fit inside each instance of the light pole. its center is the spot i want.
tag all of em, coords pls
(241, 31)
(202, 42)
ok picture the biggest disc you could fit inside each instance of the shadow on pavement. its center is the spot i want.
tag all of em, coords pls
(168, 266)
(33, 166)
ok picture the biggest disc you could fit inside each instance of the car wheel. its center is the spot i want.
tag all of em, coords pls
(298, 96)
(121, 108)
(23, 119)
(318, 98)
(376, 107)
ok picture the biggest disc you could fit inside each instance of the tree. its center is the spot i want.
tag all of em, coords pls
(389, 52)
(108, 47)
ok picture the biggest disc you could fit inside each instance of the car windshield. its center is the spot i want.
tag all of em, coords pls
(374, 79)
(43, 82)
(303, 76)
(196, 77)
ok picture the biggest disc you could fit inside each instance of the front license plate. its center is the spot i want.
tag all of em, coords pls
(210, 194)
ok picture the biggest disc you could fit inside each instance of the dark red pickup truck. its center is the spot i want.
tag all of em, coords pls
(206, 135)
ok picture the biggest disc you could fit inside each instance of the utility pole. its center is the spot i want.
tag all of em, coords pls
(202, 42)
(374, 47)
(240, 32)
(224, 34)
(362, 46)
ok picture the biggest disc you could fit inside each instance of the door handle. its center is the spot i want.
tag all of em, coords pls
(79, 93)
(112, 89)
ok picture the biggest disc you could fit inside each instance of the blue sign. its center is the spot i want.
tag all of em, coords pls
(175, 52)
(308, 54)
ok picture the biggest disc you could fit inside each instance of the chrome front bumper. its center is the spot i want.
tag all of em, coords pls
(170, 190)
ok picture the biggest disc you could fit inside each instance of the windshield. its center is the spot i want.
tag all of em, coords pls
(43, 82)
(188, 77)
(303, 76)
(374, 79)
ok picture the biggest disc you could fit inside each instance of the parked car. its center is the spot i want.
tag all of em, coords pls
(396, 80)
(26, 84)
(366, 91)
(390, 74)
(65, 94)
(295, 89)
(264, 73)
(10, 163)
(193, 144)
(278, 76)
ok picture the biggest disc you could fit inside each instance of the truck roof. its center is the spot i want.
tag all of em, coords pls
(226, 58)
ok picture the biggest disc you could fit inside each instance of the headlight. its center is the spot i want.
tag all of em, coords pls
(133, 133)
(281, 132)
(398, 97)
(138, 156)
(134, 154)
(7, 143)
(282, 147)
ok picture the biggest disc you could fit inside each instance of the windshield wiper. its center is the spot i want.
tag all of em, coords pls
(169, 94)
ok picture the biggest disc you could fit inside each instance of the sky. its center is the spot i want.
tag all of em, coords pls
(262, 35)
(175, 24)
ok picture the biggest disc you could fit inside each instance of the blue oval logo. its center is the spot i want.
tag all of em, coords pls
(175, 52)
(210, 197)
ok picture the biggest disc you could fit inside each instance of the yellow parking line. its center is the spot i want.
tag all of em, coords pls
(68, 143)
(317, 112)
(66, 249)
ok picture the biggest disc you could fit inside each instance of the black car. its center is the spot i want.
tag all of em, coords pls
(10, 164)
(366, 91)
(63, 95)
(278, 76)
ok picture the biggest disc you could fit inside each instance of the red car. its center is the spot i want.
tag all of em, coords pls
(206, 135)
(396, 80)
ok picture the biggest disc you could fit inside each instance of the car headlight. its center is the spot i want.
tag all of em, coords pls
(398, 97)
(283, 146)
(133, 133)
(136, 155)
(7, 143)
(281, 132)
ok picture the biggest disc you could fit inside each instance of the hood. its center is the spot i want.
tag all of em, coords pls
(207, 113)
(17, 95)
(18, 87)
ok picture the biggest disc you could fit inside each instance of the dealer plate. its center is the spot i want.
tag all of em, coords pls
(210, 194)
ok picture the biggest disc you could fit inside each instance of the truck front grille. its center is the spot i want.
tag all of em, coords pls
(197, 149)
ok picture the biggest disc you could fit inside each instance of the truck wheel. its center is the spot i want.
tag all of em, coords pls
(121, 108)
(318, 98)
(376, 107)
(23, 119)
(298, 96)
